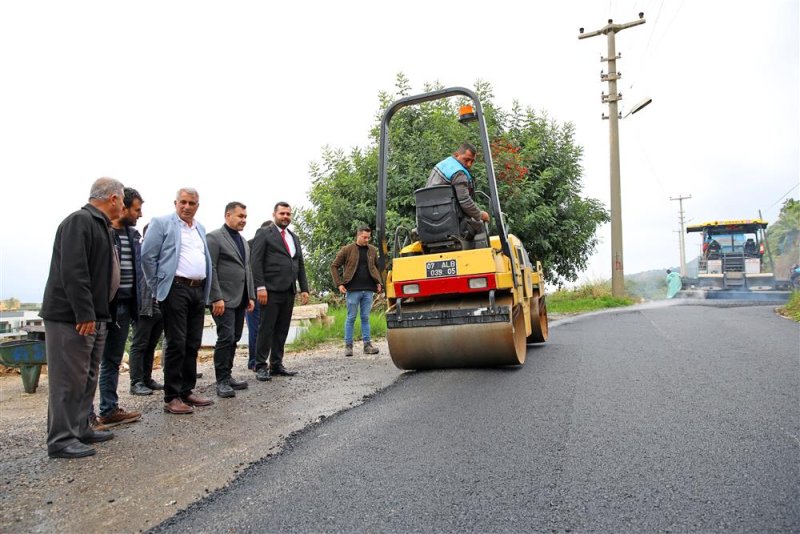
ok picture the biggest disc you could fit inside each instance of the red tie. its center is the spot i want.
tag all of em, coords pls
(283, 235)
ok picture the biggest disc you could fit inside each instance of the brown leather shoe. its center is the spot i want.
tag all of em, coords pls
(177, 406)
(197, 400)
(119, 417)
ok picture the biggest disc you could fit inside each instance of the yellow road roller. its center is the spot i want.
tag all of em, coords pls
(456, 302)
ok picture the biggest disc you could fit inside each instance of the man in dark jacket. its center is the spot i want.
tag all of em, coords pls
(127, 241)
(76, 307)
(277, 262)
(359, 281)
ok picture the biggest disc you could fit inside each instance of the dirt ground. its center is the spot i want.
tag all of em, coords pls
(163, 463)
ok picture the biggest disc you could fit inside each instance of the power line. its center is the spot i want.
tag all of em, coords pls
(785, 195)
(644, 56)
(675, 16)
(655, 25)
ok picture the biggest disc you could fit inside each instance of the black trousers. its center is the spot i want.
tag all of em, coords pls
(183, 312)
(276, 317)
(229, 330)
(146, 334)
(470, 227)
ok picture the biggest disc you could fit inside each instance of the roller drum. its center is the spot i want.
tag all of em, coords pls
(477, 344)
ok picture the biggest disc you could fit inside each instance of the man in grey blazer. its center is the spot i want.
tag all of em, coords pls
(232, 293)
(177, 266)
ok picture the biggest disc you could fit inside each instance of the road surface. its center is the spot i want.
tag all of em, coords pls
(678, 418)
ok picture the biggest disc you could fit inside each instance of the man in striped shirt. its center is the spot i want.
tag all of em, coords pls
(128, 243)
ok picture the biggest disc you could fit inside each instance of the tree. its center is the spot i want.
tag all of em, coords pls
(9, 304)
(537, 166)
(784, 237)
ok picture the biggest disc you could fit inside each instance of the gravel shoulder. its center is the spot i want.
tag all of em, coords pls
(163, 463)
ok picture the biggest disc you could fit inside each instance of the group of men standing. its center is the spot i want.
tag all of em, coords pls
(104, 278)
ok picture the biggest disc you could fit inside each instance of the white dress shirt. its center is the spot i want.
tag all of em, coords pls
(192, 257)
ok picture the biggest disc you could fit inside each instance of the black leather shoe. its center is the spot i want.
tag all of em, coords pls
(263, 374)
(283, 371)
(74, 450)
(237, 384)
(225, 390)
(140, 389)
(97, 436)
(152, 384)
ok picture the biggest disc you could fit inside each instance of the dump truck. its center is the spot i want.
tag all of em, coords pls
(455, 302)
(734, 261)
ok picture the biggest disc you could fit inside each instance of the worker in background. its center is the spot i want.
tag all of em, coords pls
(713, 249)
(674, 283)
(358, 281)
(454, 171)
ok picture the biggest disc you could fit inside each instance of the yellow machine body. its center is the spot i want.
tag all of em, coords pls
(464, 308)
(456, 298)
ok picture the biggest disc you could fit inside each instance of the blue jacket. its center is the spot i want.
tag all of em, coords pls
(160, 252)
(450, 171)
(450, 166)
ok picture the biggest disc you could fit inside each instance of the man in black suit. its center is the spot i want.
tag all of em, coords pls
(232, 293)
(277, 262)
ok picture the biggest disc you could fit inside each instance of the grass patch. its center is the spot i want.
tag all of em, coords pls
(792, 308)
(588, 297)
(318, 333)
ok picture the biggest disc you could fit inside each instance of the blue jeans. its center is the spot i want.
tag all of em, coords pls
(112, 358)
(253, 318)
(358, 302)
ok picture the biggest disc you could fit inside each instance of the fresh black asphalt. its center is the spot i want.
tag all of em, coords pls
(680, 418)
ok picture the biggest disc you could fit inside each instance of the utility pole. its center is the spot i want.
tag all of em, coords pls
(682, 219)
(610, 30)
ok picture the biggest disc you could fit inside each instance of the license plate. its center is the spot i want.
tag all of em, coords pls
(435, 269)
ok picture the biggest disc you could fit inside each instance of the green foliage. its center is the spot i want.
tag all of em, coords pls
(588, 297)
(784, 231)
(784, 238)
(536, 162)
(10, 304)
(792, 308)
(318, 333)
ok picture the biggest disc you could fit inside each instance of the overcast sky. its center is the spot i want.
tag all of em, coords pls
(237, 98)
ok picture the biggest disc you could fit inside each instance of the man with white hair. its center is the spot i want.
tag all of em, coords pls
(177, 267)
(76, 308)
